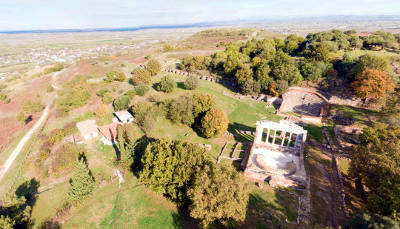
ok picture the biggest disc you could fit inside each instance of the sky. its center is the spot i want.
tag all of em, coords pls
(78, 14)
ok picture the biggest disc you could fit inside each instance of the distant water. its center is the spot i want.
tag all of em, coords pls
(194, 25)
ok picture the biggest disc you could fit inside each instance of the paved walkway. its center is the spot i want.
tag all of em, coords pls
(25, 139)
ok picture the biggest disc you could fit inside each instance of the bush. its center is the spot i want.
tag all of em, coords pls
(214, 123)
(154, 67)
(130, 93)
(75, 94)
(65, 157)
(121, 103)
(114, 75)
(250, 87)
(180, 110)
(366, 221)
(56, 68)
(191, 83)
(101, 92)
(282, 86)
(49, 88)
(107, 98)
(141, 89)
(31, 107)
(167, 84)
(145, 115)
(141, 76)
(4, 98)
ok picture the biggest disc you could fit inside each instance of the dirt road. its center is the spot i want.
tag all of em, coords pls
(25, 139)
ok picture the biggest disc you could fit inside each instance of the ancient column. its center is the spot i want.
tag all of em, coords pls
(283, 139)
(266, 140)
(273, 141)
(290, 138)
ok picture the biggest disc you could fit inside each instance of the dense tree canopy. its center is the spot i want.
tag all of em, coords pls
(376, 161)
(153, 67)
(170, 167)
(372, 83)
(141, 76)
(214, 123)
(219, 195)
(167, 84)
(121, 103)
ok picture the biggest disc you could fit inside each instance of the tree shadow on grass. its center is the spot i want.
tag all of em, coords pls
(182, 219)
(237, 130)
(28, 189)
(138, 152)
(270, 214)
(181, 85)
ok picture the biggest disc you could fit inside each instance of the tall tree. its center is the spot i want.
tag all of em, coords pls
(219, 196)
(154, 67)
(372, 83)
(82, 183)
(214, 123)
(169, 167)
(376, 160)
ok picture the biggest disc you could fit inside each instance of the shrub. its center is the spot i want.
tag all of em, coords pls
(167, 84)
(73, 96)
(120, 76)
(141, 76)
(107, 98)
(121, 103)
(49, 88)
(145, 115)
(282, 86)
(102, 91)
(56, 68)
(250, 87)
(130, 93)
(191, 83)
(4, 98)
(21, 117)
(65, 157)
(214, 123)
(154, 67)
(180, 110)
(31, 106)
(114, 75)
(101, 111)
(141, 89)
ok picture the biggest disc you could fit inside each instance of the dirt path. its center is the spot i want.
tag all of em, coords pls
(28, 135)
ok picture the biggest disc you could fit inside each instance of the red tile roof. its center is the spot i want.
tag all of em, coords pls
(110, 132)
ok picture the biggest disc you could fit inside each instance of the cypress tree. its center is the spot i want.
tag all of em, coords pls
(82, 183)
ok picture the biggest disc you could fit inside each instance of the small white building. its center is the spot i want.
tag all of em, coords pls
(124, 116)
(88, 129)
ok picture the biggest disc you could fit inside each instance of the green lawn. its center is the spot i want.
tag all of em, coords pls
(271, 205)
(135, 207)
(362, 117)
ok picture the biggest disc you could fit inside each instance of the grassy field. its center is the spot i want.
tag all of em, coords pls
(362, 117)
(133, 206)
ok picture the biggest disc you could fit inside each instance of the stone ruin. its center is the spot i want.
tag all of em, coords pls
(276, 156)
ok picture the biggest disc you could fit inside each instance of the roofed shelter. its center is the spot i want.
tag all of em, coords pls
(109, 133)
